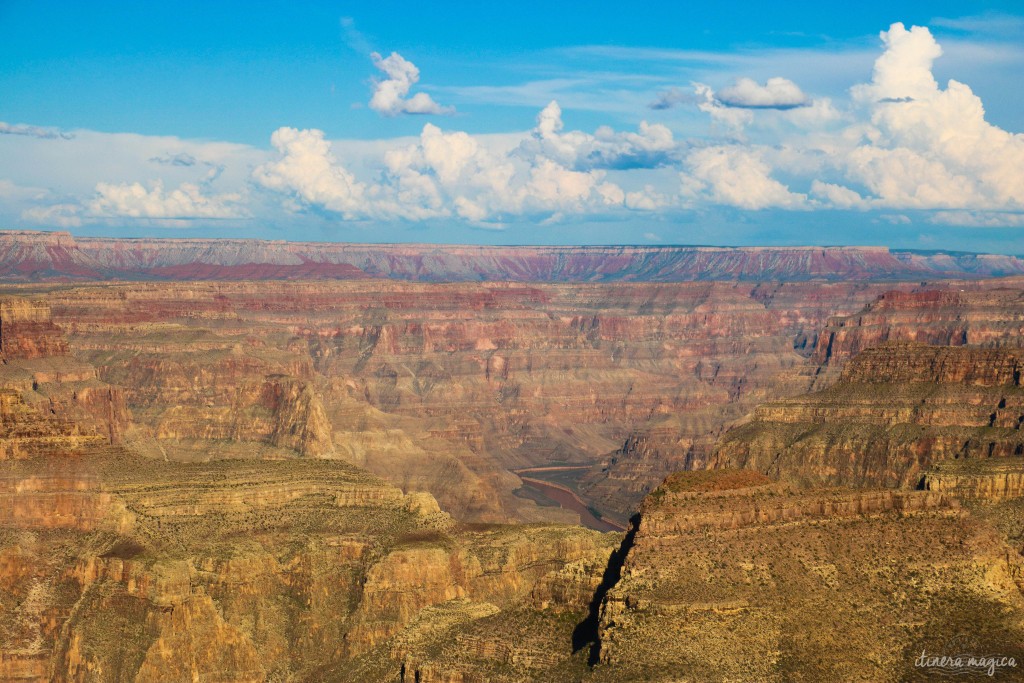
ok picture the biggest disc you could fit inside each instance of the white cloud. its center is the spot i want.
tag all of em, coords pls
(836, 195)
(904, 71)
(776, 93)
(306, 169)
(932, 148)
(978, 219)
(732, 119)
(187, 201)
(651, 146)
(900, 142)
(738, 176)
(54, 215)
(390, 95)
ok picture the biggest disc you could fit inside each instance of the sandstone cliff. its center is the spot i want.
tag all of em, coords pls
(949, 315)
(36, 371)
(730, 577)
(117, 568)
(447, 388)
(896, 410)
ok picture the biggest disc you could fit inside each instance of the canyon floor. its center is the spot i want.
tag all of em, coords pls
(803, 479)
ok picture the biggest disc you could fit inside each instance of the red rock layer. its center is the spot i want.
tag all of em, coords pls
(58, 255)
(449, 387)
(953, 315)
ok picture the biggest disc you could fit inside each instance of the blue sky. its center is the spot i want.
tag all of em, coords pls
(528, 122)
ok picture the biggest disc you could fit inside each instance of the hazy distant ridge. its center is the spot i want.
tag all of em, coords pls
(39, 256)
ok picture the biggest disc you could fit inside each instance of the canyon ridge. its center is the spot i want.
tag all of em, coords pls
(240, 460)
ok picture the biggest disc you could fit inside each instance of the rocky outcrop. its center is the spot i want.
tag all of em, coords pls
(59, 255)
(26, 330)
(897, 410)
(952, 315)
(988, 481)
(120, 568)
(37, 372)
(732, 577)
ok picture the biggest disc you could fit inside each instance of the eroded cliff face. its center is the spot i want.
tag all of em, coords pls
(896, 410)
(264, 515)
(121, 568)
(448, 388)
(956, 314)
(731, 576)
(43, 385)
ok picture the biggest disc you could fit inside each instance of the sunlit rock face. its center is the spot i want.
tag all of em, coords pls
(731, 576)
(449, 387)
(313, 481)
(987, 315)
(897, 410)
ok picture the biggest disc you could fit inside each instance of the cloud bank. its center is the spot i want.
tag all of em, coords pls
(898, 144)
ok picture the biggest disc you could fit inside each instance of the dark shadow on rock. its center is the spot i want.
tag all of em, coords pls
(585, 633)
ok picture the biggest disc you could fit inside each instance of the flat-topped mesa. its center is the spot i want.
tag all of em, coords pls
(47, 256)
(27, 331)
(897, 410)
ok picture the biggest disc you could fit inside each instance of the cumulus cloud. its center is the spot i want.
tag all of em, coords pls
(651, 146)
(134, 200)
(307, 170)
(776, 93)
(900, 143)
(391, 94)
(927, 147)
(732, 119)
(836, 195)
(453, 170)
(34, 131)
(737, 176)
(906, 143)
(904, 71)
(454, 174)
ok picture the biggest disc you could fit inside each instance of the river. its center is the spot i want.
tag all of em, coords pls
(567, 499)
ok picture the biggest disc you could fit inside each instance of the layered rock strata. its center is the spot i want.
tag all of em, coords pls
(731, 576)
(897, 409)
(447, 388)
(26, 255)
(118, 568)
(951, 315)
